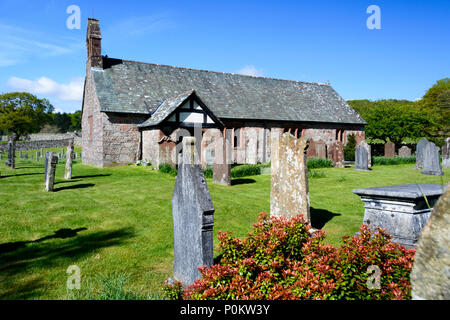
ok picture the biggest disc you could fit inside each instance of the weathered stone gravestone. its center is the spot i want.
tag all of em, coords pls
(419, 153)
(432, 160)
(222, 163)
(10, 160)
(47, 156)
(430, 276)
(336, 154)
(446, 154)
(193, 219)
(68, 171)
(316, 149)
(38, 155)
(289, 192)
(389, 149)
(404, 152)
(361, 159)
(50, 174)
(402, 210)
(368, 148)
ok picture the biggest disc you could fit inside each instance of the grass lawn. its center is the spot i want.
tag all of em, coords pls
(117, 221)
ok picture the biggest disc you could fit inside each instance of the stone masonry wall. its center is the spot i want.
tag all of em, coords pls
(121, 137)
(34, 145)
(92, 142)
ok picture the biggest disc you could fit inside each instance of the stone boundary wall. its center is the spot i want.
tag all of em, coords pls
(32, 145)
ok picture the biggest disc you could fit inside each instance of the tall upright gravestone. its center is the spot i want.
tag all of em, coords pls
(68, 171)
(52, 161)
(446, 153)
(432, 160)
(368, 148)
(361, 159)
(419, 153)
(10, 152)
(289, 192)
(336, 154)
(193, 217)
(222, 163)
(389, 149)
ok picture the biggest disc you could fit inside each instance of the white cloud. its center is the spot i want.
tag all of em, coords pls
(48, 88)
(251, 70)
(18, 45)
(143, 25)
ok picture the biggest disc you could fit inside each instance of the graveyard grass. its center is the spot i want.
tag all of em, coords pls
(115, 223)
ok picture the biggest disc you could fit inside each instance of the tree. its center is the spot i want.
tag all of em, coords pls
(63, 121)
(76, 120)
(350, 147)
(437, 99)
(22, 113)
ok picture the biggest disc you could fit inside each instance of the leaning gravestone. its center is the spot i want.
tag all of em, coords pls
(289, 192)
(51, 169)
(430, 275)
(432, 160)
(404, 152)
(446, 154)
(68, 172)
(193, 219)
(389, 149)
(361, 159)
(419, 153)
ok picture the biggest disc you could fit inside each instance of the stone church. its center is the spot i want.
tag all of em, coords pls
(140, 111)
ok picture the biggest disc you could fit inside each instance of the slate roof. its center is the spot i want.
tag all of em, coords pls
(166, 108)
(136, 87)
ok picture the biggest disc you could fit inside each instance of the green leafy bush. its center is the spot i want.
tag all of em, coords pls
(316, 163)
(393, 160)
(247, 170)
(314, 174)
(168, 168)
(350, 147)
(283, 259)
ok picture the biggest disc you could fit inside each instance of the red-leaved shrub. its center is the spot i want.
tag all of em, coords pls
(282, 259)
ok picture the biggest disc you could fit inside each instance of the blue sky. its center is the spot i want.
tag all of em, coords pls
(311, 41)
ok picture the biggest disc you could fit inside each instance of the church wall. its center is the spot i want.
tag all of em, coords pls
(91, 126)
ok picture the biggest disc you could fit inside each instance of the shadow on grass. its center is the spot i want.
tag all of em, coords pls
(35, 255)
(59, 234)
(76, 186)
(92, 176)
(319, 217)
(22, 174)
(235, 182)
(67, 181)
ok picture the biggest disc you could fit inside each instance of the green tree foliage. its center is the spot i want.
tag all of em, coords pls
(437, 100)
(350, 147)
(396, 120)
(23, 113)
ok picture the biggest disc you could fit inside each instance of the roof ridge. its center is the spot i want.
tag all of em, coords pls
(229, 73)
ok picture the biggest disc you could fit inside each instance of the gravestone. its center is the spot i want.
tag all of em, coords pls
(42, 152)
(368, 148)
(402, 210)
(10, 152)
(446, 154)
(336, 154)
(51, 168)
(316, 149)
(25, 156)
(193, 217)
(361, 159)
(404, 152)
(419, 153)
(430, 275)
(68, 171)
(222, 166)
(289, 193)
(38, 155)
(389, 149)
(47, 155)
(432, 160)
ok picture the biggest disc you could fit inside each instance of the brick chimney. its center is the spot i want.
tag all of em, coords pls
(94, 44)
